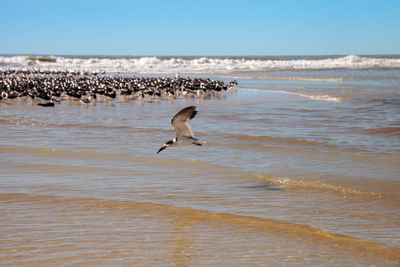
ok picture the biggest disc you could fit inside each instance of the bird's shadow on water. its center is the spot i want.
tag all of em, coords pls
(267, 187)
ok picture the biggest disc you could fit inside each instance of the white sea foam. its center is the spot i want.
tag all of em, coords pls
(293, 78)
(192, 65)
(316, 97)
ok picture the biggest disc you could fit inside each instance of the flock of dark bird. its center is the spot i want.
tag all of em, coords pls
(47, 88)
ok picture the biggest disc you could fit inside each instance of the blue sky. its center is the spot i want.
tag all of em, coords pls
(216, 27)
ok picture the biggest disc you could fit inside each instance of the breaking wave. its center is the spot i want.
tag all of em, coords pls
(195, 64)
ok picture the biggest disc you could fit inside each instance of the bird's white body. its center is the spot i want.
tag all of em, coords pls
(186, 141)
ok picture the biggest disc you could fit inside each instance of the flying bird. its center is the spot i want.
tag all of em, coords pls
(184, 132)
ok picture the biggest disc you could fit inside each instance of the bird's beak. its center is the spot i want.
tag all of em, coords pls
(161, 149)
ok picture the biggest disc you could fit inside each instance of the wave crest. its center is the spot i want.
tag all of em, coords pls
(302, 184)
(193, 64)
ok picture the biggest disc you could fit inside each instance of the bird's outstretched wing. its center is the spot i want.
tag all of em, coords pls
(181, 122)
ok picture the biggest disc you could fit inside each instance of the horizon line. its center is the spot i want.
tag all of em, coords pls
(172, 56)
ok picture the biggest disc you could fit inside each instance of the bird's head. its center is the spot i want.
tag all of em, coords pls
(166, 144)
(162, 148)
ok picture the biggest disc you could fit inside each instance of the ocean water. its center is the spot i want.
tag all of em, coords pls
(301, 167)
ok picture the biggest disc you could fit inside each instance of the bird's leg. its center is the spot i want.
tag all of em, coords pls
(197, 144)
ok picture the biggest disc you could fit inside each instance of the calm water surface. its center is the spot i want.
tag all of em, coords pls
(300, 168)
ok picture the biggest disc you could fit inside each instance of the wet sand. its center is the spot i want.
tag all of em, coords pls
(87, 232)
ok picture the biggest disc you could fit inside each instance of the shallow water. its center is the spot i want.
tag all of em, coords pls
(300, 168)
